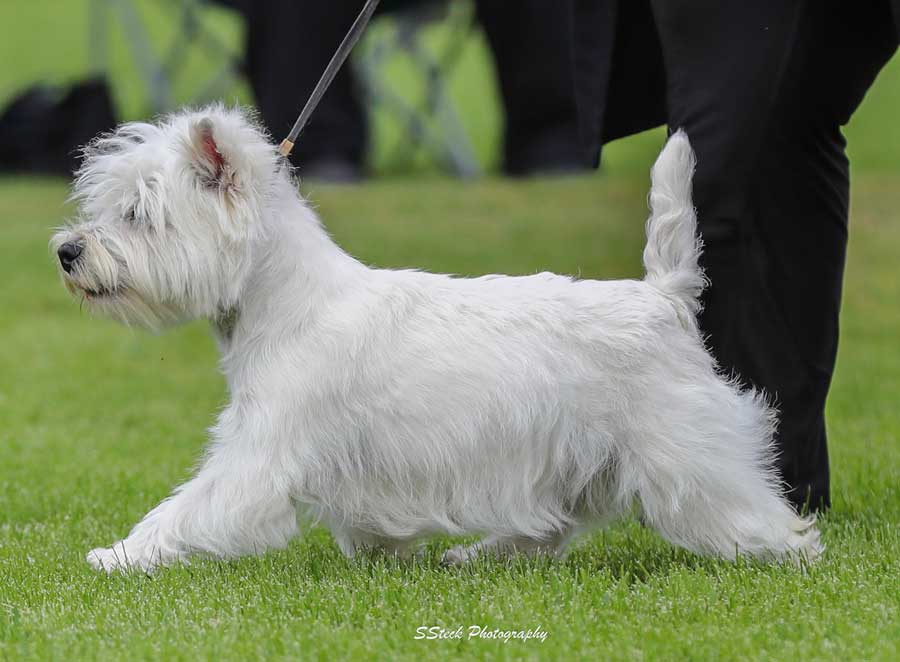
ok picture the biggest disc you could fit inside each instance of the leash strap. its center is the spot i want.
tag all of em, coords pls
(331, 70)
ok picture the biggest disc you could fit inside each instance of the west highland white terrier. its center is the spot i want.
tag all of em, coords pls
(395, 405)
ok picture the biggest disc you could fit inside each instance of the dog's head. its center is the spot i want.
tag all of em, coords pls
(168, 215)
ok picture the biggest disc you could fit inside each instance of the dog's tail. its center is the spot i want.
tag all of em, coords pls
(673, 245)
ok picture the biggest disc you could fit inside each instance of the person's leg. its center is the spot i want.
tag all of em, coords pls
(532, 47)
(771, 191)
(801, 212)
(289, 44)
(725, 61)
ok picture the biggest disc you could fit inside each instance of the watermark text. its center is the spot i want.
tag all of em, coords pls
(469, 632)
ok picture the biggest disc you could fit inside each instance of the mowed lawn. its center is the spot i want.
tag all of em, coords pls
(99, 422)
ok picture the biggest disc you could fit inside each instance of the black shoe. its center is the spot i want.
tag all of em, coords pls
(330, 171)
(551, 169)
(549, 163)
(552, 153)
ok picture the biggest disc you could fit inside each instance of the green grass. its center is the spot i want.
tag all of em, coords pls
(97, 423)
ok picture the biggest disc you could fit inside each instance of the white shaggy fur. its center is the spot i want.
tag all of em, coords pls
(393, 405)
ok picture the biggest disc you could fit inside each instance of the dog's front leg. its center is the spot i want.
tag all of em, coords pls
(237, 504)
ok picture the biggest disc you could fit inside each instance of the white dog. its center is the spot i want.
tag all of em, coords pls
(394, 405)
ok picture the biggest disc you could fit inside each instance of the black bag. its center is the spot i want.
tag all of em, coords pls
(42, 130)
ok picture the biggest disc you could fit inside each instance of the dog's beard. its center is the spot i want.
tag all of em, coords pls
(127, 306)
(103, 285)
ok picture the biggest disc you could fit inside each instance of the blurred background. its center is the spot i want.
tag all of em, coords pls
(424, 73)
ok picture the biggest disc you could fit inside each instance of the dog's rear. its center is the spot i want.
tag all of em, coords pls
(706, 477)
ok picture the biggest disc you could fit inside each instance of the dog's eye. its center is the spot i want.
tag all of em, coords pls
(130, 215)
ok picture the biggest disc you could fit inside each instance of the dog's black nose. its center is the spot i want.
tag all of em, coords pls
(68, 253)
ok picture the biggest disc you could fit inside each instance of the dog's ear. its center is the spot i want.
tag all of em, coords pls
(207, 155)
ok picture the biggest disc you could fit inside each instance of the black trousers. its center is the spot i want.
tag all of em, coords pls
(289, 44)
(762, 89)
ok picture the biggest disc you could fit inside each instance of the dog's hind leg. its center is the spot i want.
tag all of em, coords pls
(506, 547)
(704, 479)
(353, 541)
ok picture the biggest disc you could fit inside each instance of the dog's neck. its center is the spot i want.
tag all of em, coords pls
(224, 324)
(296, 270)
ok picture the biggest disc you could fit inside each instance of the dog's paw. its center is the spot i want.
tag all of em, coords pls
(460, 555)
(119, 558)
